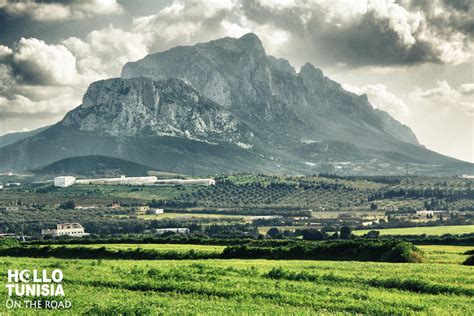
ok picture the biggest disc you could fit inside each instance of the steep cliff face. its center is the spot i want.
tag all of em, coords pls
(143, 107)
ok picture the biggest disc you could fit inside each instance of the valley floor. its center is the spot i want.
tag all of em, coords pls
(440, 286)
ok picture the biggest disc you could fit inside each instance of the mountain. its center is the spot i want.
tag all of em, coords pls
(165, 124)
(260, 89)
(226, 106)
(93, 166)
(11, 138)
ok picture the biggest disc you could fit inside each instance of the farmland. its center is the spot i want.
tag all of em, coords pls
(263, 286)
(432, 230)
(317, 202)
(158, 247)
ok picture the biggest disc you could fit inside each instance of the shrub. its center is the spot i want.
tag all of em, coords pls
(469, 261)
(9, 242)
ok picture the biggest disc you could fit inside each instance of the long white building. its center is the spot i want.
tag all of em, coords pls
(185, 182)
(122, 180)
(66, 181)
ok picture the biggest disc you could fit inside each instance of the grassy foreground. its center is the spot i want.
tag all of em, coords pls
(440, 286)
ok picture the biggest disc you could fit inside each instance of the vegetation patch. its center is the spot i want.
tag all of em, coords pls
(388, 251)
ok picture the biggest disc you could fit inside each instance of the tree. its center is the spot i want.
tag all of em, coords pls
(314, 234)
(346, 232)
(373, 206)
(69, 205)
(372, 234)
(273, 232)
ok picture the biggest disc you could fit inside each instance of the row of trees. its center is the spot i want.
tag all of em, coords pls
(313, 234)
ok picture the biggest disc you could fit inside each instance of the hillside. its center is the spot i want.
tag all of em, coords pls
(11, 138)
(93, 166)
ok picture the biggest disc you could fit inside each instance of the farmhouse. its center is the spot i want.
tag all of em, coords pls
(115, 204)
(64, 182)
(65, 229)
(8, 209)
(141, 210)
(155, 211)
(173, 230)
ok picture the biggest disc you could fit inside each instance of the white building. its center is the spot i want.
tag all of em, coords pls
(1, 186)
(173, 230)
(66, 229)
(122, 180)
(64, 182)
(8, 209)
(155, 211)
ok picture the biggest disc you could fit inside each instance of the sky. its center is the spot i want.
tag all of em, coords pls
(413, 58)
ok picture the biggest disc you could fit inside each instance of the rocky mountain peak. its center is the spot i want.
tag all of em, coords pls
(312, 72)
(143, 106)
(251, 42)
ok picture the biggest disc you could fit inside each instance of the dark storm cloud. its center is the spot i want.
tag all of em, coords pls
(460, 5)
(370, 40)
(380, 33)
(447, 16)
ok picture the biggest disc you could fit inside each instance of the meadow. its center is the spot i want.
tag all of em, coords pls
(438, 287)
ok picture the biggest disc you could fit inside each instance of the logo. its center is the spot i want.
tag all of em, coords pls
(35, 289)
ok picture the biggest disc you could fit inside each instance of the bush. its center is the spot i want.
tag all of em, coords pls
(358, 250)
(469, 261)
(403, 252)
(9, 242)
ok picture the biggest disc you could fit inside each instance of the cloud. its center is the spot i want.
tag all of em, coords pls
(21, 105)
(5, 53)
(40, 80)
(443, 118)
(466, 89)
(35, 62)
(61, 10)
(446, 99)
(102, 53)
(189, 23)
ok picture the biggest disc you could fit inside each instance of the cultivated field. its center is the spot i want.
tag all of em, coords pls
(262, 286)
(433, 230)
(158, 247)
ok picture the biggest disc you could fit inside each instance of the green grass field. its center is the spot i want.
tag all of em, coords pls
(221, 287)
(445, 254)
(433, 230)
(159, 247)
